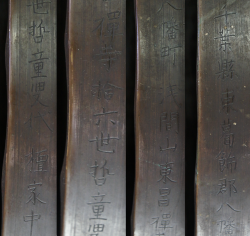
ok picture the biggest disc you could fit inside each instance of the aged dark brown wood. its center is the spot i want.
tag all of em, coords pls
(93, 178)
(160, 119)
(223, 190)
(29, 180)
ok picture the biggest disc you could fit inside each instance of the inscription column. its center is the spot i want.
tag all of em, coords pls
(29, 177)
(224, 119)
(159, 207)
(93, 178)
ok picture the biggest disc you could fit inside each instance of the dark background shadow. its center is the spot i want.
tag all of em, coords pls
(191, 113)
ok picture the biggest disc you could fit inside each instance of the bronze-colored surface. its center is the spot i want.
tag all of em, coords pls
(93, 178)
(160, 119)
(223, 188)
(29, 181)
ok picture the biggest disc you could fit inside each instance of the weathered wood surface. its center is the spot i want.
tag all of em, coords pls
(93, 178)
(29, 177)
(159, 203)
(223, 190)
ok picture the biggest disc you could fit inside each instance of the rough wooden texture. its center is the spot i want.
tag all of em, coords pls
(223, 190)
(93, 178)
(159, 207)
(29, 177)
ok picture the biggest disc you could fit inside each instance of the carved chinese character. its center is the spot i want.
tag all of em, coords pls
(106, 90)
(226, 71)
(108, 56)
(114, 15)
(37, 100)
(97, 228)
(31, 218)
(164, 201)
(38, 64)
(170, 28)
(168, 148)
(104, 113)
(166, 171)
(101, 178)
(227, 101)
(229, 206)
(223, 186)
(37, 160)
(226, 15)
(167, 2)
(224, 39)
(98, 206)
(103, 142)
(226, 133)
(167, 120)
(226, 161)
(165, 222)
(30, 120)
(165, 52)
(34, 196)
(38, 87)
(40, 6)
(37, 31)
(227, 226)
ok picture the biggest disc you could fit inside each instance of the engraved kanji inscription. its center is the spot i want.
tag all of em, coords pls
(103, 141)
(31, 218)
(226, 71)
(170, 28)
(41, 117)
(34, 196)
(227, 226)
(37, 160)
(40, 6)
(165, 172)
(163, 222)
(164, 193)
(38, 64)
(100, 173)
(173, 148)
(227, 101)
(108, 56)
(166, 51)
(37, 30)
(38, 86)
(106, 90)
(227, 185)
(167, 2)
(169, 120)
(98, 206)
(226, 161)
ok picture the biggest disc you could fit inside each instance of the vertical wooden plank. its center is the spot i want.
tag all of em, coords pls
(93, 178)
(30, 158)
(160, 119)
(223, 118)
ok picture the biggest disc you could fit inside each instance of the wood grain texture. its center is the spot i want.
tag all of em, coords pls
(30, 161)
(159, 202)
(223, 188)
(93, 177)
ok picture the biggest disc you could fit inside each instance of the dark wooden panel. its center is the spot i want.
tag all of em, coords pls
(30, 161)
(93, 178)
(223, 188)
(160, 119)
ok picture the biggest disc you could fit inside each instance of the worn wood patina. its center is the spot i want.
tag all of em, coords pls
(159, 202)
(93, 177)
(29, 177)
(223, 190)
